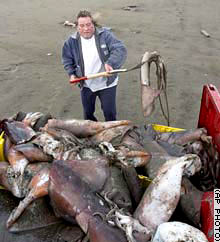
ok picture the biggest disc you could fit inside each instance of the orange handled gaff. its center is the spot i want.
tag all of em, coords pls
(107, 73)
(93, 76)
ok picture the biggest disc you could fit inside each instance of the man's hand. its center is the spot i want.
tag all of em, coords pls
(72, 77)
(108, 68)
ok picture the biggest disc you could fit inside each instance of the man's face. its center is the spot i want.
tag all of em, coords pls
(85, 27)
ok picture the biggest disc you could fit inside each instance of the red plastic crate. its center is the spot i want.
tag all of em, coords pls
(209, 116)
(207, 215)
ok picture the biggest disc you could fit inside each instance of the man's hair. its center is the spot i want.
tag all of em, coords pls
(84, 14)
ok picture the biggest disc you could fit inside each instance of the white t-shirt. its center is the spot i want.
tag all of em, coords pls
(93, 64)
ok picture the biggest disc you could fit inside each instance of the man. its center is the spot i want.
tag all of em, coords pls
(91, 50)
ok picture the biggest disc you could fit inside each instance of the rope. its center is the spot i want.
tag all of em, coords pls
(161, 74)
(162, 83)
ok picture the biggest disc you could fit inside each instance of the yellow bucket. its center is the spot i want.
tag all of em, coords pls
(2, 142)
(162, 128)
(145, 181)
(2, 157)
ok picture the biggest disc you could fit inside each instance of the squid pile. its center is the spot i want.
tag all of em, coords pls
(92, 175)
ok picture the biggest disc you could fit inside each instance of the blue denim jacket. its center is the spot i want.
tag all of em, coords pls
(111, 51)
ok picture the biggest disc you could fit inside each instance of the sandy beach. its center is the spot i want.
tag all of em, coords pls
(32, 77)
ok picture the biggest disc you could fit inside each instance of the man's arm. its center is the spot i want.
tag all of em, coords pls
(117, 49)
(68, 58)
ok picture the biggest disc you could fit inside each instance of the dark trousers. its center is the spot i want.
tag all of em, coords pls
(107, 98)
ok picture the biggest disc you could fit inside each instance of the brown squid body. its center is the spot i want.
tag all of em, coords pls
(72, 197)
(84, 128)
(18, 132)
(184, 137)
(32, 152)
(17, 161)
(38, 187)
(100, 231)
(111, 135)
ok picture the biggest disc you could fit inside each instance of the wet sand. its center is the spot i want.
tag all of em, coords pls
(31, 80)
(32, 77)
